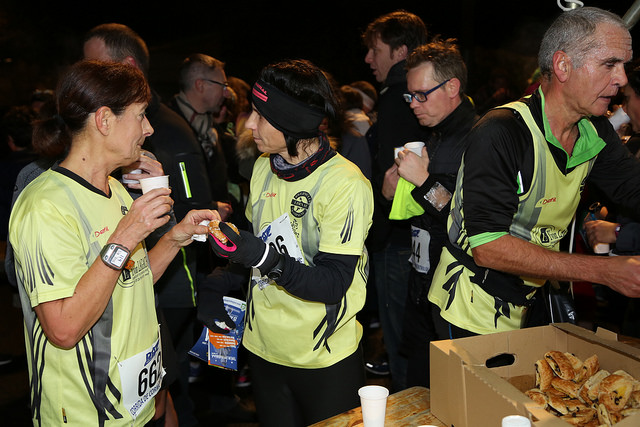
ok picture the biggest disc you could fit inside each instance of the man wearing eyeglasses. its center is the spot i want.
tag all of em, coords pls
(203, 89)
(436, 80)
(389, 39)
(520, 184)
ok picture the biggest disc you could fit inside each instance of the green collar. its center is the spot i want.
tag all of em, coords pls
(588, 145)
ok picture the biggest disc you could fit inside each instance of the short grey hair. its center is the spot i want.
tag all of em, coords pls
(194, 67)
(573, 33)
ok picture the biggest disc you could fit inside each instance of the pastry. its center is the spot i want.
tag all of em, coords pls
(560, 365)
(569, 388)
(581, 417)
(635, 382)
(214, 229)
(614, 392)
(582, 394)
(634, 400)
(590, 389)
(590, 366)
(544, 375)
(537, 396)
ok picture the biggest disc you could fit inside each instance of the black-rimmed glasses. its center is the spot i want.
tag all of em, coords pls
(421, 96)
(224, 84)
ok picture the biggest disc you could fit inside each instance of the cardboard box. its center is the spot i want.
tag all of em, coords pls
(467, 390)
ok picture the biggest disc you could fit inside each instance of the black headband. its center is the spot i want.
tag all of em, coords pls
(285, 113)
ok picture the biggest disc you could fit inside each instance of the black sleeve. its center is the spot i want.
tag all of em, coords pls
(178, 150)
(419, 193)
(327, 282)
(616, 172)
(224, 280)
(500, 148)
(628, 241)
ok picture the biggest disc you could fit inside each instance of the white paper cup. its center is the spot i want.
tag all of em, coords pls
(131, 181)
(373, 399)
(154, 182)
(415, 146)
(601, 248)
(515, 421)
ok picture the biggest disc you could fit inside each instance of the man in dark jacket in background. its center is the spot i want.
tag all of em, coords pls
(390, 38)
(436, 80)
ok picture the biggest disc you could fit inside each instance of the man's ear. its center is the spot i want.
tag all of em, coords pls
(198, 85)
(401, 53)
(562, 66)
(453, 87)
(103, 118)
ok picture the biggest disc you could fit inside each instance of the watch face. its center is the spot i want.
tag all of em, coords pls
(119, 257)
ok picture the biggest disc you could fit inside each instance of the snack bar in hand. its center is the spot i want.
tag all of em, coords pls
(214, 229)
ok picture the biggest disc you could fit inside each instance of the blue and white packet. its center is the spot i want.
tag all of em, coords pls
(218, 349)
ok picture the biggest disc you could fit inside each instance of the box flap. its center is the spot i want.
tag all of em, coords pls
(447, 384)
(488, 398)
(606, 334)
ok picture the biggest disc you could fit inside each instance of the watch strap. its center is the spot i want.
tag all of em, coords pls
(276, 272)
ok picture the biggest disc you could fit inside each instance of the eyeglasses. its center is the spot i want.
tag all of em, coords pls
(224, 84)
(421, 96)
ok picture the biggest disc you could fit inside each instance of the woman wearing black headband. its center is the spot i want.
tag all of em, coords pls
(311, 211)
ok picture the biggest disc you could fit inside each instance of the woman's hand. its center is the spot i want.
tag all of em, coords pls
(147, 213)
(180, 235)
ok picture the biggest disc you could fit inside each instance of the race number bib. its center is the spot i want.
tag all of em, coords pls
(420, 249)
(280, 237)
(141, 378)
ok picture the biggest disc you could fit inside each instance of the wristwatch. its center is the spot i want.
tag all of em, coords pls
(275, 273)
(114, 255)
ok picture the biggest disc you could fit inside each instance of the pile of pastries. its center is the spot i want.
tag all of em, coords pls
(581, 393)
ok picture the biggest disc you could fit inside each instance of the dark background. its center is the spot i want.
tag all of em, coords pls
(39, 38)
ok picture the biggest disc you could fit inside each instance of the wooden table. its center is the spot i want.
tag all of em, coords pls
(408, 408)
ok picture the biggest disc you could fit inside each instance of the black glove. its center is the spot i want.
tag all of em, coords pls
(244, 248)
(211, 311)
(214, 316)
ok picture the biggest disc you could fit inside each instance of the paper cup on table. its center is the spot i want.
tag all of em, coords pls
(154, 182)
(516, 421)
(415, 146)
(373, 399)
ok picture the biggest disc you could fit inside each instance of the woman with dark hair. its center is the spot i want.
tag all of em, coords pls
(310, 209)
(84, 275)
